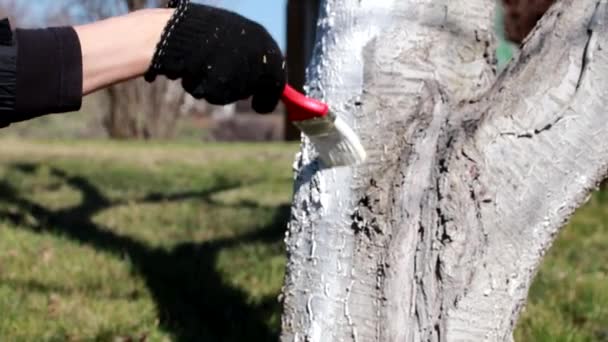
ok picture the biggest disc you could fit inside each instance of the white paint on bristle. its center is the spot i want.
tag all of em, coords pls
(348, 151)
(334, 140)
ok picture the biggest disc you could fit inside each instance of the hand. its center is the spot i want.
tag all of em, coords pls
(221, 57)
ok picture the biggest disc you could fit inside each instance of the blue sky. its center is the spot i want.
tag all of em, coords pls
(270, 13)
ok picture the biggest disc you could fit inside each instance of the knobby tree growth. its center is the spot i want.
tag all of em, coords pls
(470, 176)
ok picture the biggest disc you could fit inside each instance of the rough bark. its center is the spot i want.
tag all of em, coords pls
(438, 236)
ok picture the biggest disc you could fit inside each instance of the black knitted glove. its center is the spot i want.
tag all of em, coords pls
(221, 57)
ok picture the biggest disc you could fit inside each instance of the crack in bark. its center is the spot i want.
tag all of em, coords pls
(535, 132)
(586, 58)
(349, 317)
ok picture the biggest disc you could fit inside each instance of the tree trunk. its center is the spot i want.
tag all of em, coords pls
(138, 110)
(143, 111)
(470, 176)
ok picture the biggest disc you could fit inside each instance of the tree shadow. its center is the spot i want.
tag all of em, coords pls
(193, 301)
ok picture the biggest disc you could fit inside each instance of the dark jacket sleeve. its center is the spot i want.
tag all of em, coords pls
(8, 74)
(40, 72)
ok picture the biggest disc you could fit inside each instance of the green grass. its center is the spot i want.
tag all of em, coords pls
(569, 298)
(103, 240)
(111, 241)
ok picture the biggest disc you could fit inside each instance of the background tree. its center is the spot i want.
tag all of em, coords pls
(137, 109)
(471, 174)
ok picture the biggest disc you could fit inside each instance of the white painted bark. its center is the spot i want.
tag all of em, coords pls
(470, 176)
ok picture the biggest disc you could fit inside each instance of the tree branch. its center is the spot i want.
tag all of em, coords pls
(539, 149)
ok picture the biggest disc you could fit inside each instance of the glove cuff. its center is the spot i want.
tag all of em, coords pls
(181, 8)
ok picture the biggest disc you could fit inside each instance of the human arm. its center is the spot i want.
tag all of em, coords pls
(44, 71)
(219, 56)
(119, 48)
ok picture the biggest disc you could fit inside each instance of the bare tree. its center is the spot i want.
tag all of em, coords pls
(471, 175)
(135, 108)
(141, 110)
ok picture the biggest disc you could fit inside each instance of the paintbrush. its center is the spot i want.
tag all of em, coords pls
(334, 140)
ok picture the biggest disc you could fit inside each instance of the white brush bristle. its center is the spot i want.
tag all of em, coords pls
(338, 144)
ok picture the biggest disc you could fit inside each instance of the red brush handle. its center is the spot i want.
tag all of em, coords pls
(302, 108)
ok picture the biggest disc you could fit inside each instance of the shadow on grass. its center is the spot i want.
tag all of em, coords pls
(193, 301)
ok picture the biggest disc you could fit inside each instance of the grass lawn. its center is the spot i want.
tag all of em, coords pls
(568, 300)
(169, 242)
(116, 241)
